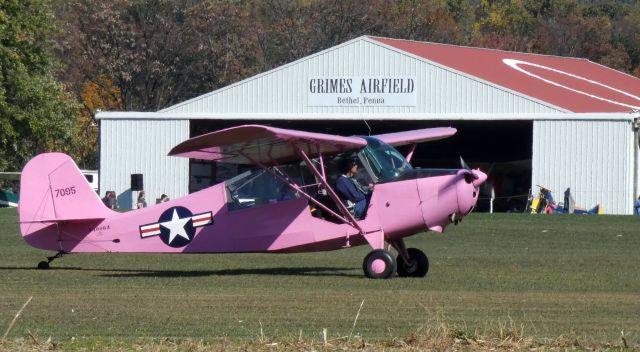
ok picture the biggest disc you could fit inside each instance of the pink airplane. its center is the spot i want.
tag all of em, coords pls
(287, 200)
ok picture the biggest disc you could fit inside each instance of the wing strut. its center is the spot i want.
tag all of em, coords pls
(352, 221)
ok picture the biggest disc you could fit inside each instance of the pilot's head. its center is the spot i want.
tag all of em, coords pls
(349, 165)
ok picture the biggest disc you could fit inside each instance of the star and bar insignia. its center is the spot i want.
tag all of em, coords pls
(176, 226)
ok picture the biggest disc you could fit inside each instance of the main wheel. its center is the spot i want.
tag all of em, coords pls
(379, 264)
(419, 264)
(43, 265)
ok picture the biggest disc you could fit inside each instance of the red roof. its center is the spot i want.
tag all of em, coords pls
(577, 85)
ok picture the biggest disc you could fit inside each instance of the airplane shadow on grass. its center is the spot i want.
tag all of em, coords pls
(286, 271)
(310, 271)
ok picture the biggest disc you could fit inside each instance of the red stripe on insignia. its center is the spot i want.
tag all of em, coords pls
(208, 214)
(157, 228)
(202, 219)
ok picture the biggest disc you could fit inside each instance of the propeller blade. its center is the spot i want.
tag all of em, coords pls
(463, 164)
(466, 167)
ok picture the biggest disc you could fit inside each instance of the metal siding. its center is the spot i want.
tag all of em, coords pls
(440, 90)
(141, 146)
(637, 167)
(593, 158)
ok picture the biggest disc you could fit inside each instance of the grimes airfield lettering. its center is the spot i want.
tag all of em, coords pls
(362, 91)
(370, 85)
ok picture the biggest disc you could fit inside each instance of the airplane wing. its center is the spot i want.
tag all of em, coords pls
(267, 145)
(416, 136)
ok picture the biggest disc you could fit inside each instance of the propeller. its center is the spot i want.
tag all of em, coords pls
(476, 177)
(471, 174)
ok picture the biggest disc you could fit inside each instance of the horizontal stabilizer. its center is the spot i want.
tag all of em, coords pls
(49, 221)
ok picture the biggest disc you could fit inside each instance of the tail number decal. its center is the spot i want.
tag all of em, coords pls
(67, 191)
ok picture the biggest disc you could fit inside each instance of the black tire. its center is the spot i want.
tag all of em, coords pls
(419, 261)
(372, 257)
(43, 265)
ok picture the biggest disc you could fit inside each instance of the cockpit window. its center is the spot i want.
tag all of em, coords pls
(259, 186)
(383, 160)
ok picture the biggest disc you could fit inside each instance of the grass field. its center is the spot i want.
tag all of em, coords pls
(534, 276)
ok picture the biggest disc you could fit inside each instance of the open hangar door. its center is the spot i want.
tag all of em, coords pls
(502, 149)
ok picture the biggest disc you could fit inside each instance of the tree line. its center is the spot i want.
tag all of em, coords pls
(61, 61)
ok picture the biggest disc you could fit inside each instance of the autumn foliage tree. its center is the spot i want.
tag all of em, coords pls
(157, 52)
(36, 113)
(161, 52)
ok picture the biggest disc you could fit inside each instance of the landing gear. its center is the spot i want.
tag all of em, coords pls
(379, 264)
(412, 262)
(418, 265)
(45, 264)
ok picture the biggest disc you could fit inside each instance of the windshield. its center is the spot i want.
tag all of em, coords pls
(384, 161)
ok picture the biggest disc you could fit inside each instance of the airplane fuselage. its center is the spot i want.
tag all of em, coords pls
(202, 222)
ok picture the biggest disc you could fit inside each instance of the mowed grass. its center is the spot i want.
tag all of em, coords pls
(544, 276)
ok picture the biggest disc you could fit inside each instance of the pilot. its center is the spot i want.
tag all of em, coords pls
(350, 191)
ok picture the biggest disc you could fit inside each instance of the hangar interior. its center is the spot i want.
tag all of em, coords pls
(502, 148)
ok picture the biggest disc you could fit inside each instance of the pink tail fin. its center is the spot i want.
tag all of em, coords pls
(53, 189)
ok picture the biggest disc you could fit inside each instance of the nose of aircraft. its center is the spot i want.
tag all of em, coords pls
(481, 177)
(468, 190)
(447, 199)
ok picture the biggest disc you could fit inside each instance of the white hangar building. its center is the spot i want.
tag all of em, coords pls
(530, 119)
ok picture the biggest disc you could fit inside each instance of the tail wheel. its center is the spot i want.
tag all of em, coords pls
(379, 264)
(419, 264)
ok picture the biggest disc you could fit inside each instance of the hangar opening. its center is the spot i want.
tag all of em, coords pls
(503, 149)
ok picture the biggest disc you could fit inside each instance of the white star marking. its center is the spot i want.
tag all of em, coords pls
(176, 226)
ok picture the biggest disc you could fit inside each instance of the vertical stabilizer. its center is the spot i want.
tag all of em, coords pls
(53, 189)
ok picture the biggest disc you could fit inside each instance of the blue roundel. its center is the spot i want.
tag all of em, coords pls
(176, 227)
